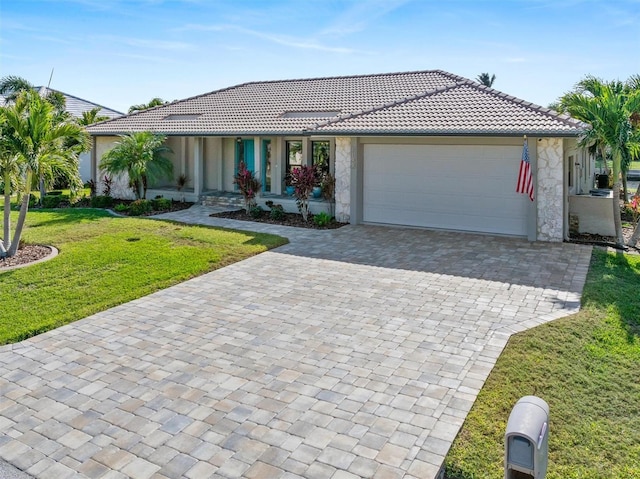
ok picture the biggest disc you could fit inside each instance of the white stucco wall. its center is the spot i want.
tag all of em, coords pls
(595, 214)
(549, 192)
(120, 187)
(343, 179)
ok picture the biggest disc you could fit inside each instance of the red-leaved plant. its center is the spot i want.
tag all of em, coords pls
(248, 185)
(303, 179)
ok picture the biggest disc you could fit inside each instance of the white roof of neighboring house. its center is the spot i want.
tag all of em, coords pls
(411, 103)
(76, 106)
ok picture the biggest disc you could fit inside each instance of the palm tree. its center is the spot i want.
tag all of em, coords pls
(145, 106)
(91, 116)
(143, 156)
(607, 107)
(486, 79)
(11, 86)
(38, 142)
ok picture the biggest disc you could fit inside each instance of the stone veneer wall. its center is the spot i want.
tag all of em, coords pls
(549, 191)
(343, 179)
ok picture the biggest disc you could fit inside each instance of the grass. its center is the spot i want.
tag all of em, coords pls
(105, 261)
(586, 367)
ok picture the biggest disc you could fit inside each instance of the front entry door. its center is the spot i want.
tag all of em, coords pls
(245, 153)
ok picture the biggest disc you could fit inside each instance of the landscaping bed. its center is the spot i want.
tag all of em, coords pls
(287, 219)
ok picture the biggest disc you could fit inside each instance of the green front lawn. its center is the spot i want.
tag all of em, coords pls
(587, 367)
(105, 261)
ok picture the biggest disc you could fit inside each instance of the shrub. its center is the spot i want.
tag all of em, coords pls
(248, 185)
(107, 184)
(101, 202)
(51, 201)
(54, 193)
(161, 204)
(82, 202)
(277, 212)
(121, 208)
(140, 207)
(322, 219)
(303, 179)
(256, 212)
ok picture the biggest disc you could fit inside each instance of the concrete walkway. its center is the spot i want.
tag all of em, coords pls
(348, 353)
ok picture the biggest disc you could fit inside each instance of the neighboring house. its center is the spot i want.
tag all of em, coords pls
(76, 107)
(425, 149)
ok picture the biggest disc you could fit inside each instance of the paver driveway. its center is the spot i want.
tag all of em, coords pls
(348, 353)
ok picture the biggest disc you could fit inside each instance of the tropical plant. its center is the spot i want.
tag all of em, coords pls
(37, 142)
(486, 79)
(145, 106)
(11, 87)
(248, 185)
(143, 156)
(322, 219)
(92, 116)
(303, 179)
(607, 107)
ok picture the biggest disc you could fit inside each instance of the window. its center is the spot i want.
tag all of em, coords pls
(320, 155)
(294, 155)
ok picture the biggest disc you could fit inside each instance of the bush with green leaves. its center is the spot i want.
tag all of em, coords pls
(322, 219)
(161, 204)
(121, 208)
(140, 207)
(256, 212)
(277, 212)
(101, 201)
(51, 201)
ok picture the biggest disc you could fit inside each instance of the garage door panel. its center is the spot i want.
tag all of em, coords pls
(468, 188)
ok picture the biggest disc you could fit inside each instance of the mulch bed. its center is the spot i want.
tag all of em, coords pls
(609, 241)
(290, 219)
(25, 255)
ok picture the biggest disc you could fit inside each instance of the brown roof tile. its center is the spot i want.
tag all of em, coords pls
(426, 102)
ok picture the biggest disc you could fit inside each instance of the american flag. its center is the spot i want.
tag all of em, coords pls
(525, 181)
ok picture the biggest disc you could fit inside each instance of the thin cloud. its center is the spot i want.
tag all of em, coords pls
(278, 39)
(360, 15)
(164, 45)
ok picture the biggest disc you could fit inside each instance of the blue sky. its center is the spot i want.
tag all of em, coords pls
(122, 52)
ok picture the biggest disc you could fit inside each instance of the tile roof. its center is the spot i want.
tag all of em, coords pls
(426, 102)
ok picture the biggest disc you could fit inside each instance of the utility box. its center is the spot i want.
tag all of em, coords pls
(526, 441)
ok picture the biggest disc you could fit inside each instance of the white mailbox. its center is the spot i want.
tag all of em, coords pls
(526, 441)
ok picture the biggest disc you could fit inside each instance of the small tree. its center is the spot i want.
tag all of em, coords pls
(303, 179)
(248, 185)
(34, 140)
(142, 156)
(328, 185)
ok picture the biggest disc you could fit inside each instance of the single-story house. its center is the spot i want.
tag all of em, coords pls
(422, 149)
(76, 107)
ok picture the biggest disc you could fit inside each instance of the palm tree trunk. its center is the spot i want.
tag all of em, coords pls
(625, 190)
(6, 234)
(617, 220)
(21, 217)
(43, 189)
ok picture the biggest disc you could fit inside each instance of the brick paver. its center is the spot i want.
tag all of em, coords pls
(348, 353)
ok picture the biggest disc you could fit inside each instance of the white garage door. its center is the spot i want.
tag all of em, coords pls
(469, 188)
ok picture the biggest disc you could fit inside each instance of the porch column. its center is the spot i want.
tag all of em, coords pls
(344, 163)
(183, 155)
(257, 161)
(219, 150)
(197, 167)
(550, 191)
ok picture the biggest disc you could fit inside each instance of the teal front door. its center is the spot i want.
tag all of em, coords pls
(245, 153)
